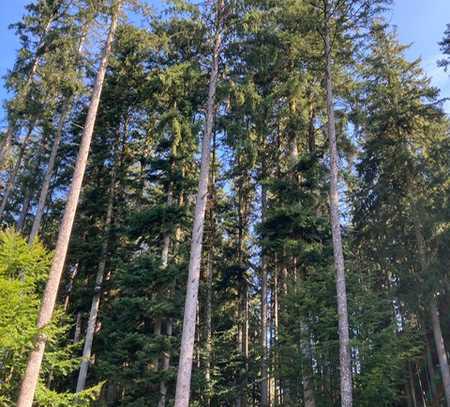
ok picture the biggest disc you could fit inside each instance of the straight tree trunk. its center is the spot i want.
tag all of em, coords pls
(341, 290)
(183, 386)
(440, 348)
(209, 293)
(209, 277)
(276, 330)
(15, 171)
(430, 366)
(263, 334)
(164, 263)
(49, 174)
(95, 305)
(33, 171)
(308, 385)
(31, 376)
(166, 366)
(25, 207)
(435, 320)
(305, 345)
(412, 387)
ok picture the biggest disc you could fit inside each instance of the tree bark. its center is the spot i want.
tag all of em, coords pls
(263, 334)
(440, 348)
(208, 328)
(308, 385)
(31, 376)
(341, 290)
(25, 207)
(92, 323)
(182, 394)
(164, 263)
(15, 171)
(435, 320)
(430, 366)
(48, 175)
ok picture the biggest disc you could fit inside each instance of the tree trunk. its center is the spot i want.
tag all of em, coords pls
(263, 334)
(209, 288)
(77, 333)
(341, 290)
(182, 395)
(435, 320)
(166, 366)
(430, 366)
(92, 323)
(244, 342)
(15, 171)
(49, 173)
(305, 345)
(164, 263)
(412, 387)
(440, 348)
(308, 385)
(31, 376)
(276, 330)
(25, 207)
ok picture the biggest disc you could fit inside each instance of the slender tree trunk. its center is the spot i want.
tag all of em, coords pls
(92, 323)
(276, 330)
(164, 263)
(263, 339)
(49, 173)
(430, 366)
(209, 293)
(182, 395)
(209, 278)
(33, 171)
(440, 348)
(166, 366)
(31, 376)
(412, 387)
(435, 320)
(308, 385)
(305, 345)
(77, 333)
(244, 342)
(25, 207)
(15, 171)
(344, 339)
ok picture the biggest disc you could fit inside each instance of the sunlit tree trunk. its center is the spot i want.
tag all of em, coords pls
(182, 395)
(48, 175)
(341, 290)
(31, 376)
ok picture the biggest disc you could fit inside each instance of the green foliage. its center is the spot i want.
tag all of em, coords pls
(23, 270)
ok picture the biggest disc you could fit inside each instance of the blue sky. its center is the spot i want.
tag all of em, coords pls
(419, 22)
